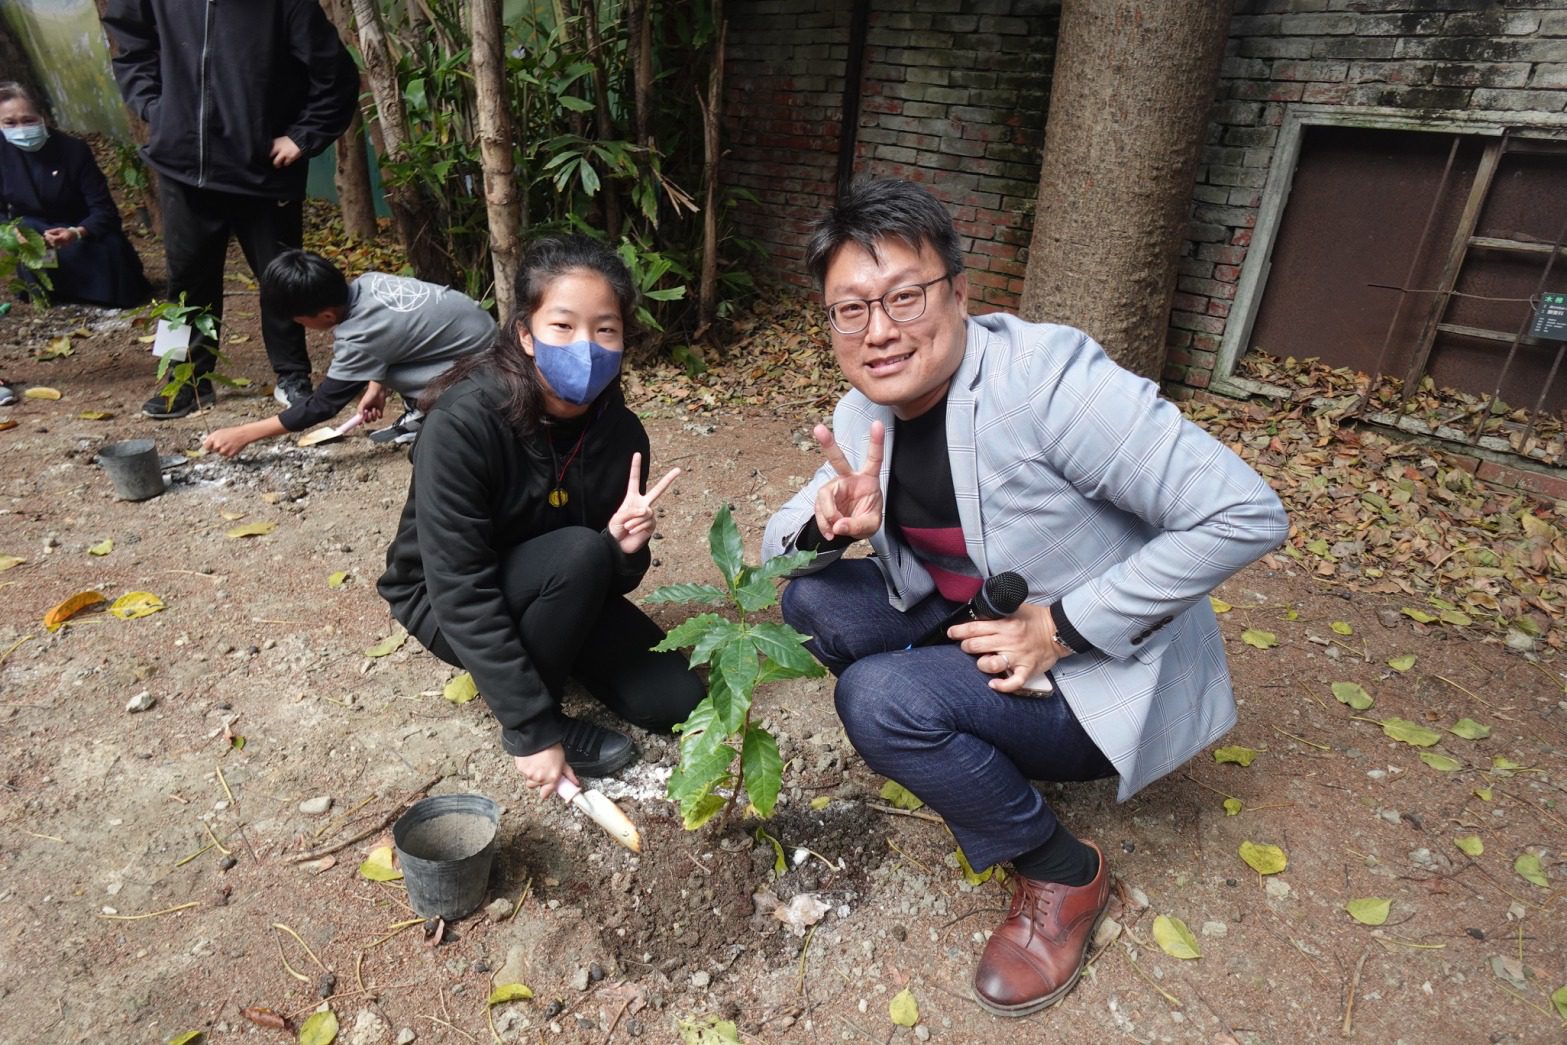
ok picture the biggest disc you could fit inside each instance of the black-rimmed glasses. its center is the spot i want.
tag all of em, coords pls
(902, 305)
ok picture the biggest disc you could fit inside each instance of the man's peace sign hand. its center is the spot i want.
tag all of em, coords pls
(849, 504)
(632, 523)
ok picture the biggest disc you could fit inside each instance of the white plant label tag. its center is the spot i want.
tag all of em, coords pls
(172, 341)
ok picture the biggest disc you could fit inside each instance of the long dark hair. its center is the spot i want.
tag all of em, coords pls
(545, 261)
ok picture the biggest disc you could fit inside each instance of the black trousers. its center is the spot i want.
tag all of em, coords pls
(197, 225)
(573, 626)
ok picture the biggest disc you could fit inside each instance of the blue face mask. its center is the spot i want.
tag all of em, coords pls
(29, 137)
(577, 372)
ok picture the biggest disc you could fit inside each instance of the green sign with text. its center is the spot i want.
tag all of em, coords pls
(1550, 318)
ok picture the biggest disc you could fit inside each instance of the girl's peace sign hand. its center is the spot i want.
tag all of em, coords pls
(849, 504)
(632, 523)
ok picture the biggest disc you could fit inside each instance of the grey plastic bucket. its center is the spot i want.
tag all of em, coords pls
(445, 845)
(134, 468)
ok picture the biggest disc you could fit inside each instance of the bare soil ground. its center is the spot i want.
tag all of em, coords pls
(122, 920)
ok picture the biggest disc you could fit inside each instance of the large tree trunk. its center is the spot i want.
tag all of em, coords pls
(495, 145)
(1129, 101)
(410, 216)
(712, 116)
(355, 197)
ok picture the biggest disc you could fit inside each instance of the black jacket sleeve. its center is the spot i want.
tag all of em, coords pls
(334, 79)
(324, 403)
(102, 217)
(462, 573)
(130, 24)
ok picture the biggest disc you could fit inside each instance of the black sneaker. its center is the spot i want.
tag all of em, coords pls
(292, 389)
(190, 396)
(405, 430)
(593, 750)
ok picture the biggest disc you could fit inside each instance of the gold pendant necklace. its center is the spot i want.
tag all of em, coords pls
(558, 497)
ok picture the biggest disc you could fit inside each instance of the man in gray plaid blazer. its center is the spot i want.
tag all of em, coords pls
(973, 446)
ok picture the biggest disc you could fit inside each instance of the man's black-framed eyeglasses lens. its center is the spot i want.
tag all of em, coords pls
(902, 305)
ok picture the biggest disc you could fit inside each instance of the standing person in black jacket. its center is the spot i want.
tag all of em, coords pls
(526, 524)
(235, 95)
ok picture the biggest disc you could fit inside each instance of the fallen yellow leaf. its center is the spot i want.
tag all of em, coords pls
(134, 604)
(461, 689)
(903, 1010)
(509, 992)
(42, 392)
(1264, 858)
(378, 865)
(389, 645)
(1174, 938)
(55, 619)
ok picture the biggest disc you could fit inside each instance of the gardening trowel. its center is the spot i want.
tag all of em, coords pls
(327, 435)
(602, 812)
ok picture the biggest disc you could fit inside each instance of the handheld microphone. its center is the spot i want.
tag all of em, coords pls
(1000, 597)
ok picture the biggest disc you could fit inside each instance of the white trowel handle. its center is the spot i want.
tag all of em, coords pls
(567, 788)
(351, 424)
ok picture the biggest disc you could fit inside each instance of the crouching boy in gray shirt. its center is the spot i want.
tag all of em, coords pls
(387, 332)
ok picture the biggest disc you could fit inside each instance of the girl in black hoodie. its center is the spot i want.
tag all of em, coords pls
(527, 524)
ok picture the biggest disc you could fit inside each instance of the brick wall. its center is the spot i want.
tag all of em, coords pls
(953, 94)
(1501, 56)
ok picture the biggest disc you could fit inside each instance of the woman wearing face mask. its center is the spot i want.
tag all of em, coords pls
(528, 519)
(52, 183)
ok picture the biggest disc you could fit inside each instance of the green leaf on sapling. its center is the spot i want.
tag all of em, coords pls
(723, 541)
(763, 768)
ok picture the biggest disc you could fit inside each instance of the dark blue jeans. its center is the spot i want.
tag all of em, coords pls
(927, 719)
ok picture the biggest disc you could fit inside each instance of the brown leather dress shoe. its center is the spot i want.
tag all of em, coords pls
(1035, 955)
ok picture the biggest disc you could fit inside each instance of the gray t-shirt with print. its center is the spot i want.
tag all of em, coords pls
(405, 333)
